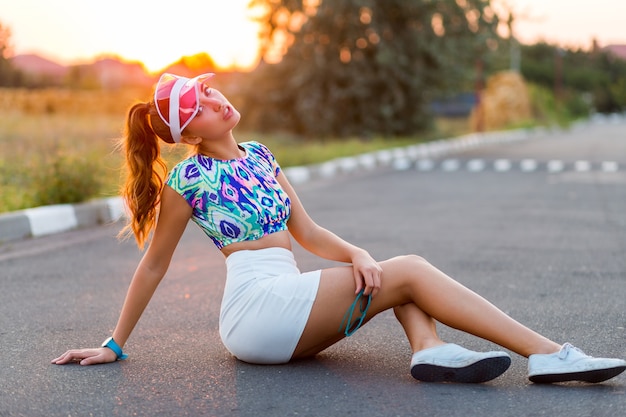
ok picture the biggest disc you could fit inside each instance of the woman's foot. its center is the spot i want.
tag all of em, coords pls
(453, 363)
(572, 364)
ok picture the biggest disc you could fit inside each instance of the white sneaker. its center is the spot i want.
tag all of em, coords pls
(453, 363)
(571, 364)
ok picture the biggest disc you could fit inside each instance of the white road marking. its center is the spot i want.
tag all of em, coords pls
(425, 165)
(610, 166)
(502, 165)
(476, 165)
(528, 165)
(582, 166)
(555, 166)
(450, 165)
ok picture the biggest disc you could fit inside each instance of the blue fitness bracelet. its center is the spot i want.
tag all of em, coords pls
(111, 344)
(350, 326)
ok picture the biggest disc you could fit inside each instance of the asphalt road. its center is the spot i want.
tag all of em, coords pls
(546, 245)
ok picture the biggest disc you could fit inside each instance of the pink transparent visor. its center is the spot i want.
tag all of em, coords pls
(177, 100)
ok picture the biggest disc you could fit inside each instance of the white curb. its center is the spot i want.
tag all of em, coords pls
(51, 219)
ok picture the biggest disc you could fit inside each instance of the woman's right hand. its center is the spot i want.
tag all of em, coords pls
(86, 356)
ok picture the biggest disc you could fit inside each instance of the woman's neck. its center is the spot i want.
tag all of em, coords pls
(221, 149)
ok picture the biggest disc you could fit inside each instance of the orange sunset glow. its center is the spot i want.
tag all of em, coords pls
(159, 33)
(155, 33)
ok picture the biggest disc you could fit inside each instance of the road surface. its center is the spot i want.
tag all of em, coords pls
(543, 240)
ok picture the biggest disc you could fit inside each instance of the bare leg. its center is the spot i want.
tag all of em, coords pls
(420, 328)
(412, 280)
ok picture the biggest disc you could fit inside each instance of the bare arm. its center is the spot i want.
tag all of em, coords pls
(173, 217)
(324, 243)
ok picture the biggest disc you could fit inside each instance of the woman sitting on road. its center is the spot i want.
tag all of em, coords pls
(272, 313)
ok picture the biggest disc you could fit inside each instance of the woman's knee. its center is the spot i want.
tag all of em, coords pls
(410, 262)
(402, 273)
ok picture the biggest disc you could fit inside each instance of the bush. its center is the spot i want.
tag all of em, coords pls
(548, 110)
(66, 178)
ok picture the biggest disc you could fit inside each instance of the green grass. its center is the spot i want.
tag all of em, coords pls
(38, 150)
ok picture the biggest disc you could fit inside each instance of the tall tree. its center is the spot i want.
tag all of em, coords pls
(8, 74)
(574, 74)
(361, 67)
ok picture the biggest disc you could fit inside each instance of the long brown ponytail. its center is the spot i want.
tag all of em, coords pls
(145, 169)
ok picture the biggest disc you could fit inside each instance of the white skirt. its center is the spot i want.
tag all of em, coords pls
(266, 304)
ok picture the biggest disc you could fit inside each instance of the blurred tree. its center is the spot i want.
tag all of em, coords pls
(618, 91)
(8, 75)
(362, 67)
(614, 90)
(577, 73)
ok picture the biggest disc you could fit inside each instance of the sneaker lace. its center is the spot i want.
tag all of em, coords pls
(567, 347)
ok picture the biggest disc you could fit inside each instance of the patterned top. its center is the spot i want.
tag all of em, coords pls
(233, 200)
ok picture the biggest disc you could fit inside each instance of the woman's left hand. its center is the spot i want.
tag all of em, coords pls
(367, 273)
(86, 356)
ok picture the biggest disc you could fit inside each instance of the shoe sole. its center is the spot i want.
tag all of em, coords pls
(481, 371)
(597, 375)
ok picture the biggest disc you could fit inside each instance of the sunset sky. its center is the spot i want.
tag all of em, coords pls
(159, 33)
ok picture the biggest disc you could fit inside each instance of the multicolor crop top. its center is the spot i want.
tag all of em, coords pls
(233, 200)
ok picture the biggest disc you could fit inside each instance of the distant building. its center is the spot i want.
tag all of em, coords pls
(616, 50)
